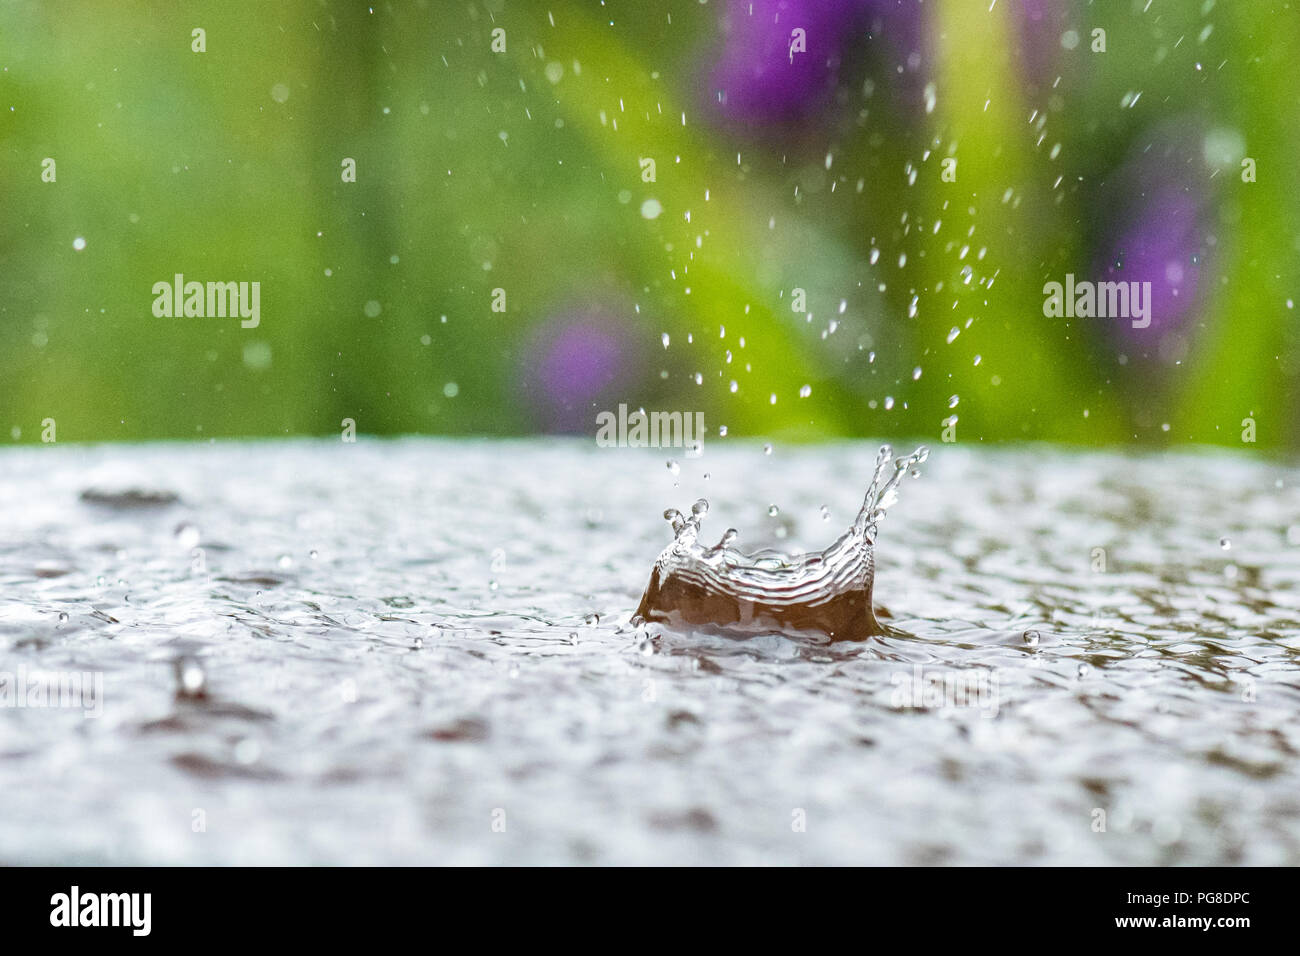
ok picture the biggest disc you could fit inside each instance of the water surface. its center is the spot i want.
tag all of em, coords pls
(419, 652)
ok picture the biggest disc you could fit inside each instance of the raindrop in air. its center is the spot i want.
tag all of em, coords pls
(190, 679)
(187, 535)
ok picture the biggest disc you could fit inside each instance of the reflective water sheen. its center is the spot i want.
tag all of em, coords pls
(419, 651)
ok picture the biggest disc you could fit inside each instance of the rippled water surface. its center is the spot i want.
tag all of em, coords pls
(419, 652)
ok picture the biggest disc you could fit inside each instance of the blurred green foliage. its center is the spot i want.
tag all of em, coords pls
(521, 170)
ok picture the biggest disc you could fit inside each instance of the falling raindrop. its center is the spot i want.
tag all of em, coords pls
(190, 679)
(187, 535)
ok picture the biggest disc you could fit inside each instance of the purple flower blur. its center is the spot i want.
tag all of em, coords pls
(576, 363)
(1040, 26)
(758, 81)
(1162, 248)
(1162, 233)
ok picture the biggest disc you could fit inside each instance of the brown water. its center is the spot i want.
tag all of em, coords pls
(827, 591)
(387, 652)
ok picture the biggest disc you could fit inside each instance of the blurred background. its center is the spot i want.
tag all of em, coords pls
(792, 262)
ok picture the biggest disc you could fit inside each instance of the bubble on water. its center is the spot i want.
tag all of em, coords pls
(826, 513)
(805, 391)
(722, 431)
(978, 359)
(79, 243)
(554, 71)
(187, 535)
(889, 402)
(953, 333)
(674, 468)
(952, 401)
(592, 619)
(313, 554)
(451, 390)
(1083, 671)
(373, 309)
(664, 338)
(1031, 638)
(773, 511)
(651, 208)
(63, 617)
(916, 373)
(767, 449)
(734, 386)
(285, 561)
(874, 257)
(1225, 544)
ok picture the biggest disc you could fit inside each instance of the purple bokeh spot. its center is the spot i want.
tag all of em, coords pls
(757, 82)
(1158, 226)
(577, 363)
(1162, 248)
(1040, 25)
